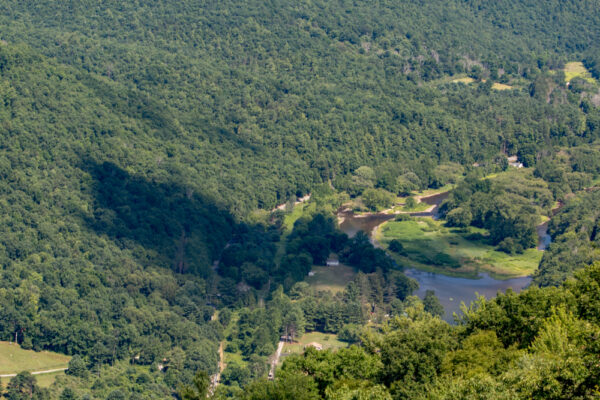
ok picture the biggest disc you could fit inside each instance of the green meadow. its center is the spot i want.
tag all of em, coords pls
(14, 359)
(326, 340)
(429, 245)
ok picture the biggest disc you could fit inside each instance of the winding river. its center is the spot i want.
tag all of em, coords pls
(450, 290)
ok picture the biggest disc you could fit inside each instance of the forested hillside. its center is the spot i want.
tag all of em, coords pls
(143, 145)
(293, 93)
(540, 344)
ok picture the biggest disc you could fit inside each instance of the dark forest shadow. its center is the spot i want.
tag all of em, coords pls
(163, 224)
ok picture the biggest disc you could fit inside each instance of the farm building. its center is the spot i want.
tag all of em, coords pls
(332, 260)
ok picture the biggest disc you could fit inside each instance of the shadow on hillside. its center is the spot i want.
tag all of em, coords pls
(163, 224)
(140, 106)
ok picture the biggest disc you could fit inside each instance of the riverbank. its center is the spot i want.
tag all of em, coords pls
(432, 247)
(350, 221)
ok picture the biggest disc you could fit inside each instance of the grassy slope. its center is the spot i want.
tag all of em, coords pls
(14, 359)
(424, 238)
(576, 69)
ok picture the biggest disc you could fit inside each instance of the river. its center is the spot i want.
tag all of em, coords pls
(352, 223)
(450, 290)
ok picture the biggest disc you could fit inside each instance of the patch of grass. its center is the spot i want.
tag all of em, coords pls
(46, 380)
(501, 86)
(510, 173)
(431, 192)
(417, 208)
(466, 80)
(445, 80)
(297, 212)
(576, 69)
(237, 356)
(431, 246)
(334, 278)
(13, 359)
(327, 340)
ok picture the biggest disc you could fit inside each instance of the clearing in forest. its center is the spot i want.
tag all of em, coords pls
(501, 86)
(14, 359)
(576, 69)
(332, 278)
(466, 80)
(326, 340)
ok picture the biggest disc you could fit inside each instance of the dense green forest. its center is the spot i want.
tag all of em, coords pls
(540, 344)
(575, 233)
(143, 145)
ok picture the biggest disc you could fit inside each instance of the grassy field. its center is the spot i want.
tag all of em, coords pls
(333, 278)
(46, 380)
(14, 359)
(466, 80)
(576, 69)
(327, 340)
(501, 86)
(431, 246)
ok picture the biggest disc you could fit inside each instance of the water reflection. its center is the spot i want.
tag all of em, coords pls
(452, 291)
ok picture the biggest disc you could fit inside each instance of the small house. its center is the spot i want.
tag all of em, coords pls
(332, 260)
(513, 161)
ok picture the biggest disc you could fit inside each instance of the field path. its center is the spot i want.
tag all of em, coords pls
(276, 359)
(222, 364)
(48, 371)
(216, 378)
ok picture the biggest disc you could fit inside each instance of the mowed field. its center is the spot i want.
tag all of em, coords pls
(334, 278)
(13, 359)
(429, 245)
(327, 340)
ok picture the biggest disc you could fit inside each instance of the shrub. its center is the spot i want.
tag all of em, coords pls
(404, 217)
(397, 247)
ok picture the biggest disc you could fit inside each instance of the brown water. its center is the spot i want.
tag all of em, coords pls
(352, 223)
(433, 200)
